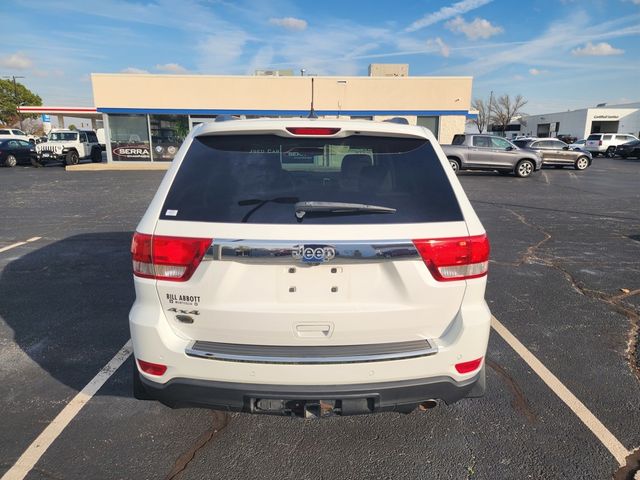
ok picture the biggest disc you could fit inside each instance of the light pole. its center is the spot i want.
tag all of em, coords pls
(15, 95)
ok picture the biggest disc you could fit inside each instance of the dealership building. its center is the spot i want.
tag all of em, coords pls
(146, 116)
(580, 123)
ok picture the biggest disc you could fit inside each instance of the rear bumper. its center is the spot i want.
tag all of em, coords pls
(287, 399)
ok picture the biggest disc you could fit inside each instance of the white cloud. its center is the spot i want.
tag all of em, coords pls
(261, 60)
(535, 71)
(446, 13)
(602, 49)
(438, 44)
(518, 77)
(289, 23)
(548, 50)
(479, 28)
(221, 51)
(171, 68)
(18, 61)
(56, 72)
(133, 70)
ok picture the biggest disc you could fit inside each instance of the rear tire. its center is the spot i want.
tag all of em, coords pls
(455, 165)
(611, 152)
(10, 161)
(72, 158)
(581, 163)
(524, 168)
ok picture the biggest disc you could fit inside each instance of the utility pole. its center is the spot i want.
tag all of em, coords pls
(490, 109)
(15, 95)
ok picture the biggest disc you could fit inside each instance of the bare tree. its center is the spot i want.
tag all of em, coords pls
(505, 109)
(484, 114)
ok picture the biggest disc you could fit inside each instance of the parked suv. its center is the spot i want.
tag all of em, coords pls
(490, 152)
(69, 146)
(556, 153)
(15, 134)
(606, 143)
(309, 267)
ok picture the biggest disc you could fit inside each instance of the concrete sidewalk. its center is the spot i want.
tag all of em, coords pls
(84, 167)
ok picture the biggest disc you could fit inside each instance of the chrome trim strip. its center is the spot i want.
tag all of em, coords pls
(287, 251)
(301, 355)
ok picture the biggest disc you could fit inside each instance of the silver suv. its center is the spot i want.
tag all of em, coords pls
(490, 152)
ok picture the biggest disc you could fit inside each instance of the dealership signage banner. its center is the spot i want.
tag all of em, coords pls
(132, 152)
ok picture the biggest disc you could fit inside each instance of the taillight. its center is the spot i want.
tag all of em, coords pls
(455, 258)
(600, 142)
(312, 130)
(152, 368)
(167, 258)
(470, 366)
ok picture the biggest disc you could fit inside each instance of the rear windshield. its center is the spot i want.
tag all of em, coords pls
(458, 140)
(594, 137)
(260, 178)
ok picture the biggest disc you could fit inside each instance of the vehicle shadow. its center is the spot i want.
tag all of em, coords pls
(68, 302)
(482, 173)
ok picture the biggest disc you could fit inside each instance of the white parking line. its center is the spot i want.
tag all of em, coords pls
(17, 244)
(30, 457)
(582, 412)
(40, 445)
(546, 177)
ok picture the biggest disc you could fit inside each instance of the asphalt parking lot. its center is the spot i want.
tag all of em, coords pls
(564, 281)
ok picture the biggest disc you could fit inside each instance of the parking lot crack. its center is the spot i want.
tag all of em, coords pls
(519, 400)
(613, 302)
(631, 469)
(218, 423)
(530, 254)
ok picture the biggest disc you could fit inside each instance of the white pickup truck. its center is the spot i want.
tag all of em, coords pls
(70, 146)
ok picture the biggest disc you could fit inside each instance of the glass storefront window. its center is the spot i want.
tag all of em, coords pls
(167, 134)
(129, 138)
(432, 123)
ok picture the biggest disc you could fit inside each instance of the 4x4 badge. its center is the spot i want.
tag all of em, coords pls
(313, 253)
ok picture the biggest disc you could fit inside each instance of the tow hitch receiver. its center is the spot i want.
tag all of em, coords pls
(312, 408)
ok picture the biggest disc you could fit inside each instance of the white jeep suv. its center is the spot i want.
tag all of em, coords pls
(70, 146)
(309, 267)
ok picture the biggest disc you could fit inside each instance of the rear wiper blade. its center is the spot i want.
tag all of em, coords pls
(302, 208)
(259, 203)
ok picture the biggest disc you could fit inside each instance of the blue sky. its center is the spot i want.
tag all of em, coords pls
(559, 54)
